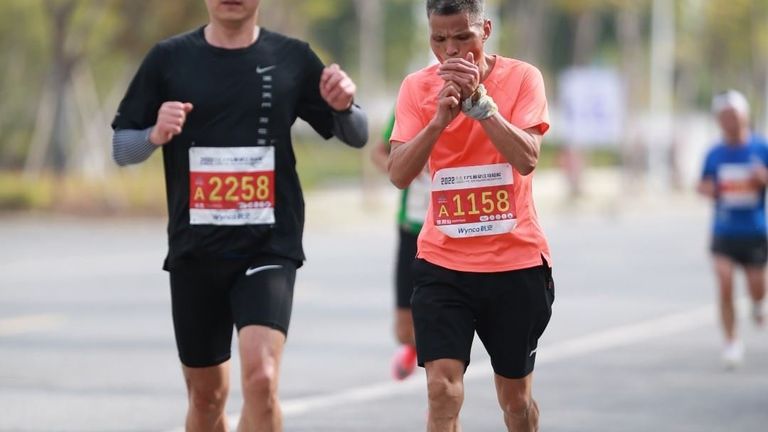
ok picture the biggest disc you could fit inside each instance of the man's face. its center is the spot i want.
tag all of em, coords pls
(732, 122)
(232, 10)
(453, 36)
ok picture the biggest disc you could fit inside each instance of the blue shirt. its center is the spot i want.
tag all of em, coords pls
(739, 204)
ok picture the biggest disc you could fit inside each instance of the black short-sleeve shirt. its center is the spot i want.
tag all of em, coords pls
(241, 97)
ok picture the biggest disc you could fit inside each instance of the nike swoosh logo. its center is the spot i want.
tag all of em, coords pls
(254, 270)
(261, 70)
(533, 352)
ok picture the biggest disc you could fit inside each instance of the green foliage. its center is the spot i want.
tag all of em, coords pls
(18, 193)
(332, 29)
(719, 43)
(406, 48)
(319, 162)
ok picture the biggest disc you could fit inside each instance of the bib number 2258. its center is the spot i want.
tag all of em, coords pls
(232, 185)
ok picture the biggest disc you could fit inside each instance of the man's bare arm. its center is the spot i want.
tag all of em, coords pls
(407, 160)
(707, 187)
(519, 147)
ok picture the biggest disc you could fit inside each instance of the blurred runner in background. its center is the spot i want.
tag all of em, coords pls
(735, 177)
(414, 201)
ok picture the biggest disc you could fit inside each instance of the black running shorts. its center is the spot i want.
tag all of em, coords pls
(508, 310)
(747, 251)
(209, 297)
(406, 253)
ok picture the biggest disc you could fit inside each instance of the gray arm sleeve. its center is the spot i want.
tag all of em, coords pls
(131, 146)
(351, 127)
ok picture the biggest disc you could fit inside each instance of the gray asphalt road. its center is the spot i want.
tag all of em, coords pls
(86, 342)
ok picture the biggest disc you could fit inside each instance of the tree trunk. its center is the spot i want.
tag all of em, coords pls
(370, 18)
(369, 15)
(759, 67)
(585, 38)
(530, 28)
(61, 71)
(633, 156)
(67, 45)
(662, 90)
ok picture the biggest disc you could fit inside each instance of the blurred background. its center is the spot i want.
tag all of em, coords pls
(86, 341)
(629, 83)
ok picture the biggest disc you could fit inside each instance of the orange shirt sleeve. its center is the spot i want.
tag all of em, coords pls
(408, 116)
(530, 109)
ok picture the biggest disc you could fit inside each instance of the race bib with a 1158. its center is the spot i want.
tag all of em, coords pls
(474, 201)
(231, 185)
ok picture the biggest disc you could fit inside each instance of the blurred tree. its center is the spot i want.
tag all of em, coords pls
(66, 51)
(81, 35)
(22, 42)
(527, 29)
(64, 60)
(736, 47)
(405, 40)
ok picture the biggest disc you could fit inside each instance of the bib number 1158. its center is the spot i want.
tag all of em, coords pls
(474, 201)
(489, 202)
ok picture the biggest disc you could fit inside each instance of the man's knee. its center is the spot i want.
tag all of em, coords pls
(208, 399)
(444, 391)
(260, 384)
(518, 404)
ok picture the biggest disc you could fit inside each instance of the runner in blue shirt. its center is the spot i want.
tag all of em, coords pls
(735, 177)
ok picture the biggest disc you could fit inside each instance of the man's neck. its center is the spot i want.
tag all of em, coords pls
(741, 138)
(232, 36)
(485, 65)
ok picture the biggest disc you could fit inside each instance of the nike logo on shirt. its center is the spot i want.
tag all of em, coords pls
(254, 270)
(261, 70)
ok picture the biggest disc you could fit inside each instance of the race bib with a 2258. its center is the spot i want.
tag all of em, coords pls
(474, 201)
(231, 185)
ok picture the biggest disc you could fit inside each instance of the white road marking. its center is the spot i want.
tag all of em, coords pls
(29, 324)
(603, 340)
(616, 337)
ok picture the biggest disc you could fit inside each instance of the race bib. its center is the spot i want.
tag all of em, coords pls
(735, 186)
(231, 185)
(417, 199)
(474, 201)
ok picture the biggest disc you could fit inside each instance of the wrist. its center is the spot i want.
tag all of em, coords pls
(346, 110)
(475, 96)
(435, 126)
(480, 105)
(471, 100)
(152, 137)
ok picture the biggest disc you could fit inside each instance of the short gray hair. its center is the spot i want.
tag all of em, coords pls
(475, 8)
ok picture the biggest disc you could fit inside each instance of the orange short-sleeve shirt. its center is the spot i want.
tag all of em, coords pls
(481, 217)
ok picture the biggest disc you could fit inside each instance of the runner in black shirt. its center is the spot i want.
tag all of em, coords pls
(220, 101)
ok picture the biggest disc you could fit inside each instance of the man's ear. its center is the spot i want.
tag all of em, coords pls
(487, 29)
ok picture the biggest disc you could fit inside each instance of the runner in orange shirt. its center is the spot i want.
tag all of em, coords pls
(483, 263)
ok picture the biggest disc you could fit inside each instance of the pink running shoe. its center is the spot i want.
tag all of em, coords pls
(404, 362)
